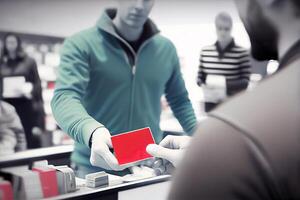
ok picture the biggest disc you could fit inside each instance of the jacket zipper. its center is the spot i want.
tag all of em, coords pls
(133, 72)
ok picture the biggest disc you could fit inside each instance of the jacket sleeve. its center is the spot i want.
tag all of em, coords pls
(221, 163)
(178, 99)
(73, 78)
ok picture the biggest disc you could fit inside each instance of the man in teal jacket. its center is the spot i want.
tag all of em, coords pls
(111, 79)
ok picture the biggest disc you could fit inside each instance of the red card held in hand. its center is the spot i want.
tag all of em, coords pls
(130, 147)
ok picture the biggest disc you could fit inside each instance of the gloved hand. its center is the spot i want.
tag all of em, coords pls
(171, 148)
(101, 156)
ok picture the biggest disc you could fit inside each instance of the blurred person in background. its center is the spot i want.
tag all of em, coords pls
(12, 135)
(248, 148)
(26, 97)
(224, 68)
(111, 80)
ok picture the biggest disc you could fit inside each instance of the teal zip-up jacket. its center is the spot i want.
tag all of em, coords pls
(97, 86)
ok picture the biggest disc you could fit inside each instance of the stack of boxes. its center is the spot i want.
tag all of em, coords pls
(37, 183)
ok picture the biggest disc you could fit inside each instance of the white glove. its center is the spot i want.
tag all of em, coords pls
(171, 148)
(101, 156)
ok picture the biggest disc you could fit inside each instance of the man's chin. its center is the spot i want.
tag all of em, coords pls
(136, 24)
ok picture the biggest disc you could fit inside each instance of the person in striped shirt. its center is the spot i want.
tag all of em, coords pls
(224, 59)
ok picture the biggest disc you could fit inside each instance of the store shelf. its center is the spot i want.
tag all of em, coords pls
(29, 156)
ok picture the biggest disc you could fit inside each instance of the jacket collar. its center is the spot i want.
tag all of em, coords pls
(106, 24)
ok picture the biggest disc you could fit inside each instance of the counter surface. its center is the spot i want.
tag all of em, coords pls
(111, 192)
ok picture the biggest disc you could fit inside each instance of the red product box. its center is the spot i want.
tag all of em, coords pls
(130, 147)
(6, 191)
(48, 180)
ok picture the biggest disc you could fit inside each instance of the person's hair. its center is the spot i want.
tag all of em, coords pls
(19, 49)
(224, 16)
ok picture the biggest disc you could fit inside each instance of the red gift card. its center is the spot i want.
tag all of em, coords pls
(131, 146)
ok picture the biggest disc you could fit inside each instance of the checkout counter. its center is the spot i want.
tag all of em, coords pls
(149, 189)
(155, 188)
(152, 188)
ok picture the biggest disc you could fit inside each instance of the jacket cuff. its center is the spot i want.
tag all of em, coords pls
(88, 129)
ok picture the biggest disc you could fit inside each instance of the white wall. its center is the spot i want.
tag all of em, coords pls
(64, 17)
(50, 17)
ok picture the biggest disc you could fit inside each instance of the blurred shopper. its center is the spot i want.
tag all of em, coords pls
(248, 148)
(22, 87)
(111, 80)
(224, 68)
(12, 136)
